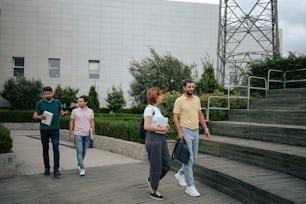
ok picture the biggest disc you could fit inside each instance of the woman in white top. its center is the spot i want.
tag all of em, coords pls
(156, 127)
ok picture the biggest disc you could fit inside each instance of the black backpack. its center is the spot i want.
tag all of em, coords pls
(142, 131)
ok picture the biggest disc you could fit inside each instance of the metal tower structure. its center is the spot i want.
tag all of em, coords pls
(248, 31)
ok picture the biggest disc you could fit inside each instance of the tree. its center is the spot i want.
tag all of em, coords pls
(66, 95)
(208, 82)
(93, 101)
(165, 72)
(115, 99)
(22, 93)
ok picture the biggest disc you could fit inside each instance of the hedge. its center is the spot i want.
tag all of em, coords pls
(126, 125)
(6, 142)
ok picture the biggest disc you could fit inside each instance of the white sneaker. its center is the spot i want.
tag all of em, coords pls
(181, 179)
(82, 172)
(79, 168)
(192, 191)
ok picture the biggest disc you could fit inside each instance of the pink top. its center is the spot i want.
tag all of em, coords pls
(82, 120)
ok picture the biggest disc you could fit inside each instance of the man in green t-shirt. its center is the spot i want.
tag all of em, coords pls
(47, 111)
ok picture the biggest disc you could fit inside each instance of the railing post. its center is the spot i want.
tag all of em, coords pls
(207, 112)
(284, 79)
(228, 98)
(249, 92)
(269, 78)
(267, 87)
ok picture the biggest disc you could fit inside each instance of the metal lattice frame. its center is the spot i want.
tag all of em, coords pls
(245, 36)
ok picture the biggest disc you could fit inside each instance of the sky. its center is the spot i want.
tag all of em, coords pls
(291, 20)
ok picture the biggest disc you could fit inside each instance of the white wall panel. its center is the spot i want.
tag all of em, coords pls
(114, 32)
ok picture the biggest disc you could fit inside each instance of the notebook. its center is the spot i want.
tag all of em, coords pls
(161, 122)
(48, 119)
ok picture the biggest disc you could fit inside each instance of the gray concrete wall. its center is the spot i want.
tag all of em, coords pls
(113, 32)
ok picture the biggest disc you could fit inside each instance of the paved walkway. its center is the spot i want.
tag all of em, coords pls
(28, 149)
(110, 178)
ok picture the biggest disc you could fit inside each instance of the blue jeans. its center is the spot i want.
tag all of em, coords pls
(81, 145)
(192, 139)
(45, 136)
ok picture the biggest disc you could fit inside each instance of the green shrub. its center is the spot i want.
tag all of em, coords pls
(21, 92)
(6, 142)
(67, 96)
(115, 99)
(15, 116)
(93, 101)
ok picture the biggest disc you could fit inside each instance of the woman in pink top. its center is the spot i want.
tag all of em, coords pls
(81, 123)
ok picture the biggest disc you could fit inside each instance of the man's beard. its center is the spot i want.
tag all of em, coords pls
(48, 98)
(189, 93)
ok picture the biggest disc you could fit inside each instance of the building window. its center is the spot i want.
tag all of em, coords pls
(54, 67)
(94, 69)
(18, 66)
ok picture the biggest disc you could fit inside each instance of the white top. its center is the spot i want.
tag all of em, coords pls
(157, 118)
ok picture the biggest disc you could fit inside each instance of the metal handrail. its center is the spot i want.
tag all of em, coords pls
(292, 81)
(265, 88)
(284, 81)
(228, 97)
(274, 80)
(257, 88)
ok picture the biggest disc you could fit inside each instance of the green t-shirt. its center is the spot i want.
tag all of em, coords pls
(54, 107)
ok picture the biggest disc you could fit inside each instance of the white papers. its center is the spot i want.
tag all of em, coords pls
(48, 119)
(161, 122)
(91, 134)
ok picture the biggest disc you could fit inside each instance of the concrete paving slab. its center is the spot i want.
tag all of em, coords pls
(29, 158)
(110, 178)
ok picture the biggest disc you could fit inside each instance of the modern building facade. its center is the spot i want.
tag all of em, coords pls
(82, 43)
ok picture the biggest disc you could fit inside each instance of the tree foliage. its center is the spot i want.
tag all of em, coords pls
(22, 93)
(165, 72)
(93, 101)
(208, 82)
(67, 95)
(115, 99)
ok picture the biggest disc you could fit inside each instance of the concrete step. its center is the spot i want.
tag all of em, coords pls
(289, 117)
(284, 103)
(287, 159)
(249, 184)
(293, 92)
(277, 133)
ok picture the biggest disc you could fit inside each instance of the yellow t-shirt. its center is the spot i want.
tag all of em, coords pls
(188, 110)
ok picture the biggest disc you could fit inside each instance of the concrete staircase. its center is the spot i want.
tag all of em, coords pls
(258, 155)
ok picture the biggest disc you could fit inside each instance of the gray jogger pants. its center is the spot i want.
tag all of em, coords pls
(159, 157)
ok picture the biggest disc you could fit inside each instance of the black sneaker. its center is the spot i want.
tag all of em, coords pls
(47, 172)
(57, 173)
(149, 184)
(156, 196)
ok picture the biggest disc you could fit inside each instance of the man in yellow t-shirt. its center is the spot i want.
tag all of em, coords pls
(187, 115)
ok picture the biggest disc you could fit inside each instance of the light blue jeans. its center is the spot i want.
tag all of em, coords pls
(192, 139)
(81, 145)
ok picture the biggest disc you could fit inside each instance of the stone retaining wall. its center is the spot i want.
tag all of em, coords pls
(7, 165)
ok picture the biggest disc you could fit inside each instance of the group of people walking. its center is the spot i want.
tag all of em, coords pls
(81, 126)
(187, 116)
